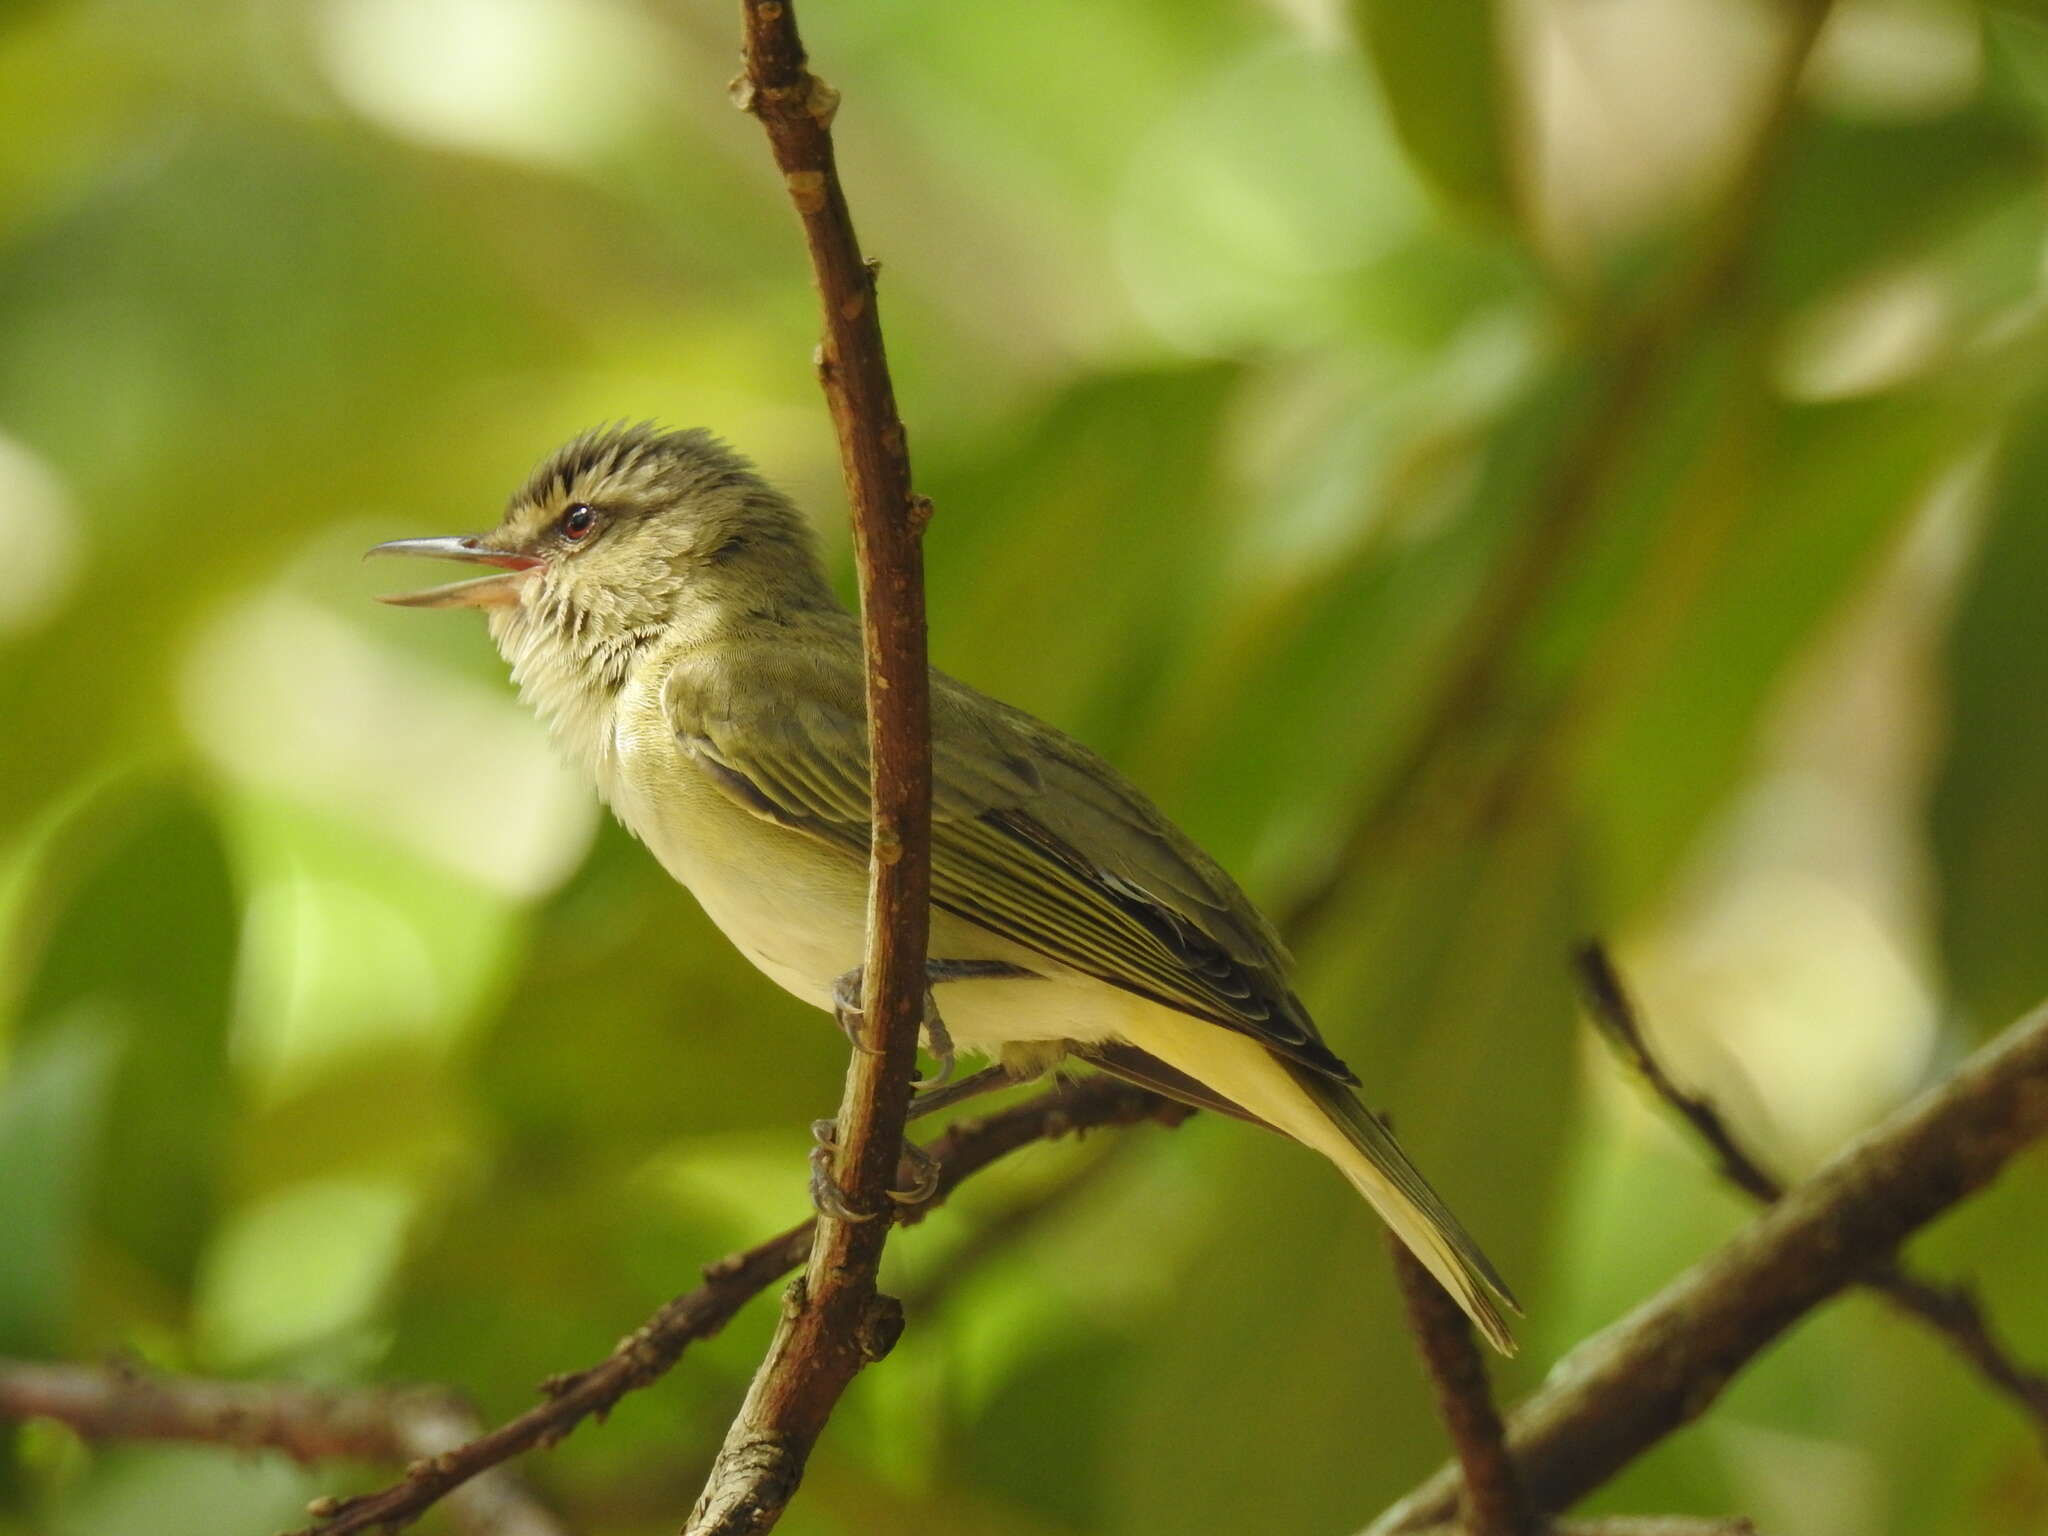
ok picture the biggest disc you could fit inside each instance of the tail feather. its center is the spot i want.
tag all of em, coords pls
(1327, 1116)
(1396, 1189)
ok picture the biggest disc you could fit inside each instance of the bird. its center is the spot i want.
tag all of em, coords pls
(664, 609)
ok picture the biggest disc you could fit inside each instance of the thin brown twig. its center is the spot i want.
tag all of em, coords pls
(121, 1401)
(651, 1350)
(1624, 1389)
(1953, 1311)
(1492, 1504)
(495, 1504)
(835, 1320)
(1611, 1008)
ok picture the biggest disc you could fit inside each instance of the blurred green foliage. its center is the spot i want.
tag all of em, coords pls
(1494, 473)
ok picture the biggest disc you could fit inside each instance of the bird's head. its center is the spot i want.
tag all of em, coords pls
(622, 535)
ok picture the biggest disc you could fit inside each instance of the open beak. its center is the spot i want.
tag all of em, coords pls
(479, 592)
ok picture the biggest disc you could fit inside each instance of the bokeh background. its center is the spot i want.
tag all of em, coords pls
(1497, 471)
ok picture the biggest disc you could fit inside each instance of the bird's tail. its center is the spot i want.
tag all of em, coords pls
(1328, 1117)
(1381, 1172)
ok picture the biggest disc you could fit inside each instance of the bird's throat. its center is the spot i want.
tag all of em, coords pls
(571, 674)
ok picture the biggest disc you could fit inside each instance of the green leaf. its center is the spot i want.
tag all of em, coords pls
(1787, 518)
(1857, 196)
(1990, 837)
(1444, 74)
(1114, 495)
(1299, 702)
(146, 943)
(52, 1108)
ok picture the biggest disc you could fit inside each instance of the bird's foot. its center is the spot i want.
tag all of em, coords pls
(924, 1176)
(827, 1198)
(846, 1006)
(830, 1200)
(938, 1042)
(847, 1009)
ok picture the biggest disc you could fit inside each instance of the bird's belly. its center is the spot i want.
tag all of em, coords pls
(795, 908)
(797, 934)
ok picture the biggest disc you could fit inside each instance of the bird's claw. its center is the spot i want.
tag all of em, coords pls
(830, 1200)
(938, 1042)
(847, 1010)
(846, 1006)
(924, 1173)
(827, 1198)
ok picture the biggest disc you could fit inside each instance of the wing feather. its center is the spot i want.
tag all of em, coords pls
(1033, 837)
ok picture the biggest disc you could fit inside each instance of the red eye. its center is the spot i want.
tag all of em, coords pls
(578, 521)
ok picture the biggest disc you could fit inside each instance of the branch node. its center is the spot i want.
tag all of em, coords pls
(124, 1365)
(793, 1297)
(807, 191)
(822, 102)
(881, 1325)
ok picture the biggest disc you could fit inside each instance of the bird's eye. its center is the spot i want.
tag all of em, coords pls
(578, 521)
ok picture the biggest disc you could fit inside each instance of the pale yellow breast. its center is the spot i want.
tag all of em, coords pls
(791, 905)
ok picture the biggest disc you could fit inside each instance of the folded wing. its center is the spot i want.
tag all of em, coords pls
(1033, 837)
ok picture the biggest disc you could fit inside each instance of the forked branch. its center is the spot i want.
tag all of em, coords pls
(1625, 1389)
(1952, 1311)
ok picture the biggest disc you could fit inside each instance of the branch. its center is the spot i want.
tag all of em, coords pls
(1625, 1389)
(650, 1351)
(1953, 1311)
(835, 1321)
(1493, 1504)
(120, 1402)
(1612, 1009)
(1619, 1525)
